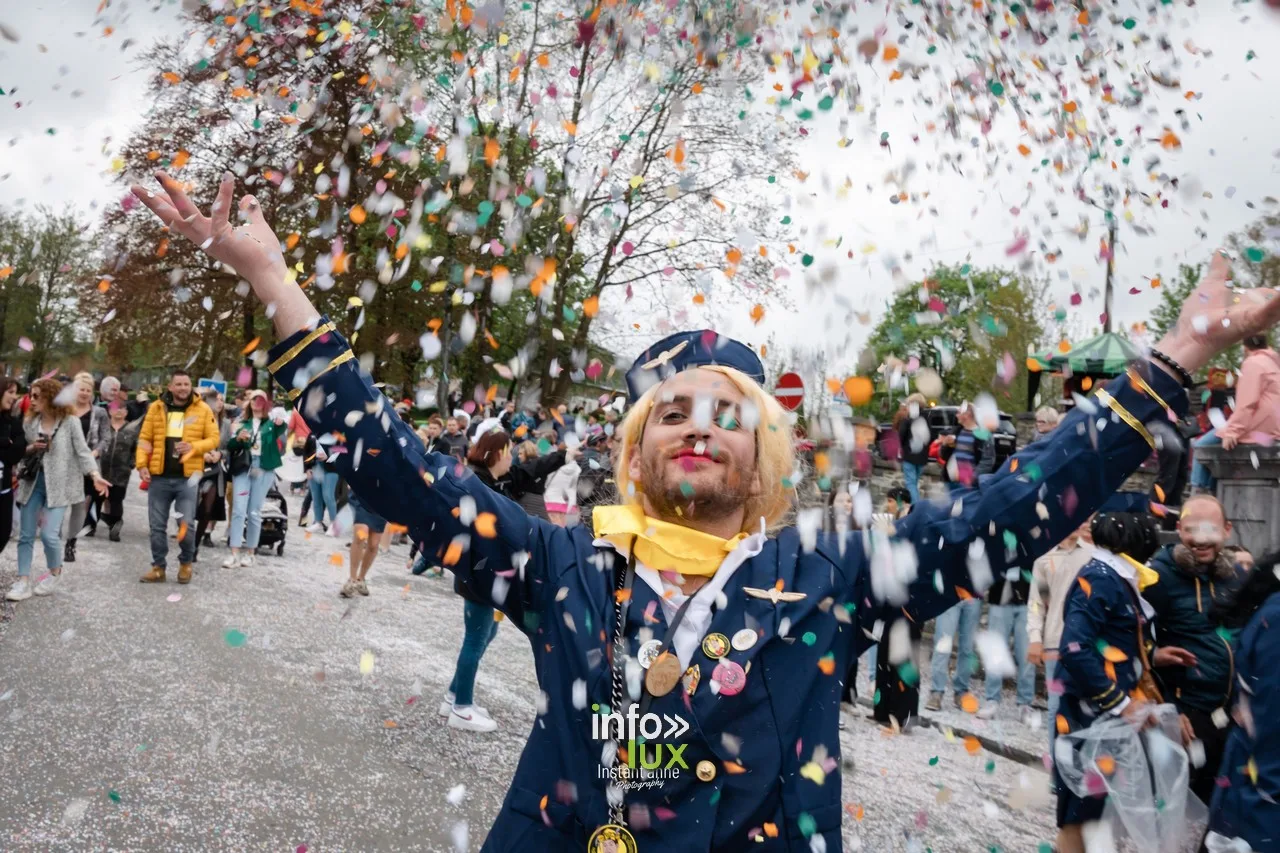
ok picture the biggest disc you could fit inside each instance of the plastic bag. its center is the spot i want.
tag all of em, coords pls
(1143, 774)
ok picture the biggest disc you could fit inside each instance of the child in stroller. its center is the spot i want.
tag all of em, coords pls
(275, 520)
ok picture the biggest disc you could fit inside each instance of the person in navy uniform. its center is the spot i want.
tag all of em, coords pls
(744, 623)
(1105, 647)
(1246, 804)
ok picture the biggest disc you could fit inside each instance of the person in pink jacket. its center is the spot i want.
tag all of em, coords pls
(1256, 416)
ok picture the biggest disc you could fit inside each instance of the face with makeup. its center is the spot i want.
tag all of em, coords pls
(696, 459)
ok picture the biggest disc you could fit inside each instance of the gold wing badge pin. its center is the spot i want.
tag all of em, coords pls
(774, 595)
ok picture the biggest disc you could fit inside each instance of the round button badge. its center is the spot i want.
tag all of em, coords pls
(649, 653)
(730, 676)
(715, 646)
(745, 639)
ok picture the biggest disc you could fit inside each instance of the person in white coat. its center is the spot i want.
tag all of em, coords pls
(561, 494)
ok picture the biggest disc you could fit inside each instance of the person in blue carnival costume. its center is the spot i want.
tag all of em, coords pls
(1246, 801)
(744, 710)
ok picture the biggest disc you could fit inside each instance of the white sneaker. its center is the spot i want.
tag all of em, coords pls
(446, 707)
(232, 561)
(315, 527)
(246, 559)
(988, 711)
(20, 591)
(470, 719)
(47, 585)
(332, 532)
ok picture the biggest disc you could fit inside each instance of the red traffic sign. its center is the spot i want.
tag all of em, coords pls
(789, 391)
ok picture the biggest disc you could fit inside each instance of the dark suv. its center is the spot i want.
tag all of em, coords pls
(942, 421)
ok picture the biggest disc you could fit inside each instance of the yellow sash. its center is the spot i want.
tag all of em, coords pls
(661, 545)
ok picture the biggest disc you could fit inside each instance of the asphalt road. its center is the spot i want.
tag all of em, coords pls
(260, 711)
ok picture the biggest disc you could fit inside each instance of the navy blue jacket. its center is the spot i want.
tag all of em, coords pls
(1099, 613)
(1245, 808)
(559, 588)
(1188, 608)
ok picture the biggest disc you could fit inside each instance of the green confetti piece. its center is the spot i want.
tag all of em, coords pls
(1255, 254)
(875, 699)
(1130, 23)
(826, 103)
(523, 200)
(808, 826)
(544, 447)
(1044, 847)
(909, 674)
(933, 48)
(113, 796)
(686, 489)
(806, 259)
(964, 270)
(991, 766)
(1010, 540)
(996, 87)
(416, 286)
(809, 638)
(773, 179)
(235, 639)
(715, 796)
(786, 220)
(485, 210)
(933, 762)
(804, 115)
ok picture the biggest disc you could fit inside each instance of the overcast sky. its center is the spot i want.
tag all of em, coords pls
(72, 94)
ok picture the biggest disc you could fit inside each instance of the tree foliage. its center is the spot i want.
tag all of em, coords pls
(974, 327)
(47, 265)
(463, 188)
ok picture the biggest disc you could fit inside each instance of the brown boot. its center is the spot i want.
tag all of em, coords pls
(156, 575)
(184, 573)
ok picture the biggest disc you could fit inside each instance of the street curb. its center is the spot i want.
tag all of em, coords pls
(990, 745)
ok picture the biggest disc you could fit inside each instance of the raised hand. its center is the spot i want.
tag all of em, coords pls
(251, 248)
(1215, 316)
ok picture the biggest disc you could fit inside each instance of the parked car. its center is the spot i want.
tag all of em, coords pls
(942, 422)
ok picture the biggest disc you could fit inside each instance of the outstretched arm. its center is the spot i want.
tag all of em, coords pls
(501, 554)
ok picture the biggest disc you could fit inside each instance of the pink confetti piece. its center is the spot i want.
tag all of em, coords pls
(663, 813)
(175, 598)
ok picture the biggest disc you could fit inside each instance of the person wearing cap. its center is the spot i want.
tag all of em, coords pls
(696, 573)
(253, 455)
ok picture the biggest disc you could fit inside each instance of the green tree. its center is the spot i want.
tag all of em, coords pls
(970, 325)
(47, 261)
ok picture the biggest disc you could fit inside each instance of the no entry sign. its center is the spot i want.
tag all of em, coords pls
(790, 391)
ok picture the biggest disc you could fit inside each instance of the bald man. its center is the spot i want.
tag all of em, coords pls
(1194, 662)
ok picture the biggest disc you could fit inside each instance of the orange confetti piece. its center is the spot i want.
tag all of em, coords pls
(771, 830)
(827, 664)
(163, 248)
(357, 214)
(251, 346)
(491, 151)
(390, 724)
(5, 272)
(1155, 282)
(180, 159)
(621, 595)
(1062, 725)
(591, 306)
(733, 256)
(486, 524)
(855, 810)
(733, 768)
(969, 703)
(1114, 655)
(1086, 586)
(170, 77)
(1170, 141)
(1024, 151)
(1106, 765)
(1064, 346)
(1083, 18)
(570, 128)
(182, 530)
(757, 313)
(104, 286)
(890, 52)
(336, 559)
(859, 390)
(543, 60)
(1069, 106)
(542, 804)
(452, 554)
(972, 745)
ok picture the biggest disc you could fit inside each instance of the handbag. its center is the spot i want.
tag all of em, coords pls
(30, 466)
(239, 460)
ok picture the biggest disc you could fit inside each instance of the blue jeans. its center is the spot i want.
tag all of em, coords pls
(248, 493)
(324, 493)
(911, 476)
(180, 493)
(962, 617)
(1002, 619)
(1050, 666)
(50, 531)
(480, 629)
(1200, 476)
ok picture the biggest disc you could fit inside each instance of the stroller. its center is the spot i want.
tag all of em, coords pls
(275, 521)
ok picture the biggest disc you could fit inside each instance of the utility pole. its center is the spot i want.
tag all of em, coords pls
(1111, 266)
(442, 387)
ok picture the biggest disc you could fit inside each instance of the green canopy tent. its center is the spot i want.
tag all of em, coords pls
(1103, 356)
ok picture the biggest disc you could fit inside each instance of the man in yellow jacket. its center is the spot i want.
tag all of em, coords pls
(177, 432)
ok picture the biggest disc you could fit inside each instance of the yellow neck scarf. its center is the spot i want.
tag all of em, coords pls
(661, 545)
(1146, 576)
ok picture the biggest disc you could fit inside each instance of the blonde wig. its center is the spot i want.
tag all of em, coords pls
(775, 450)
